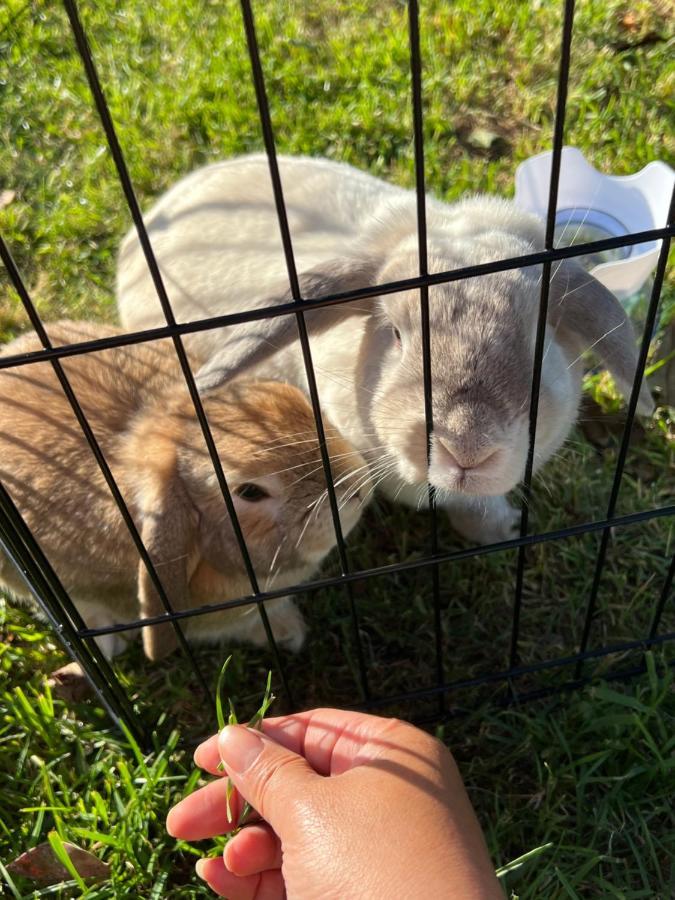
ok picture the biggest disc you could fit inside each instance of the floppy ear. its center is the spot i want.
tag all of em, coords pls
(168, 534)
(249, 344)
(589, 317)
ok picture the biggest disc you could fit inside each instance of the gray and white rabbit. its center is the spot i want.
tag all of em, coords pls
(217, 239)
(137, 404)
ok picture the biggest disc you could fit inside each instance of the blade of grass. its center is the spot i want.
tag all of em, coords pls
(61, 854)
(256, 722)
(518, 862)
(10, 884)
(219, 694)
(232, 719)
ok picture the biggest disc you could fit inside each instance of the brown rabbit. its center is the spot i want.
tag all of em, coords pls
(137, 404)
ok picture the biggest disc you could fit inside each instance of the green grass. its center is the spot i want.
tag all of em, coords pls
(178, 83)
(592, 772)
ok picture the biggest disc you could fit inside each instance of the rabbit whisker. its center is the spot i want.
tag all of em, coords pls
(372, 473)
(350, 475)
(273, 573)
(400, 488)
(302, 533)
(601, 338)
(385, 471)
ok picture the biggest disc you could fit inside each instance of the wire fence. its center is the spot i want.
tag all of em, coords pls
(23, 549)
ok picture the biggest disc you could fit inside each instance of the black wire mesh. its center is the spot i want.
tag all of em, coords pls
(21, 547)
(418, 134)
(558, 137)
(266, 124)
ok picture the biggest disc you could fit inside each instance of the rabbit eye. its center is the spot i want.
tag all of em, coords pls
(397, 334)
(251, 492)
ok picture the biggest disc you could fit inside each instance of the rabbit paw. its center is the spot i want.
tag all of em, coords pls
(488, 520)
(286, 622)
(97, 616)
(288, 625)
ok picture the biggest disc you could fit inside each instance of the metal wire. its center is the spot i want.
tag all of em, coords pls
(507, 700)
(270, 149)
(663, 599)
(25, 553)
(418, 135)
(336, 299)
(134, 208)
(20, 545)
(556, 159)
(506, 675)
(650, 319)
(406, 566)
(36, 322)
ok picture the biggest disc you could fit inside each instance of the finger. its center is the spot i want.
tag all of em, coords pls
(265, 886)
(203, 814)
(268, 775)
(255, 849)
(292, 732)
(332, 740)
(206, 756)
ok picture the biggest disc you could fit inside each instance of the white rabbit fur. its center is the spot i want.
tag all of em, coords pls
(217, 240)
(136, 402)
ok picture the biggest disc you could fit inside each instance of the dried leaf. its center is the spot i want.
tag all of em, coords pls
(482, 138)
(6, 198)
(630, 21)
(69, 683)
(40, 864)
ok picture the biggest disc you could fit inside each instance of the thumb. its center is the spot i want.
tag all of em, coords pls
(266, 774)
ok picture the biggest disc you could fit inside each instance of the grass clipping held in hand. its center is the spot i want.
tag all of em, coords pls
(254, 722)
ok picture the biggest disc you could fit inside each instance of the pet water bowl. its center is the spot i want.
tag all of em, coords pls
(592, 207)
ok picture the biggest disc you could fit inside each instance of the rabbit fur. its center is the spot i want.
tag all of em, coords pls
(137, 404)
(217, 241)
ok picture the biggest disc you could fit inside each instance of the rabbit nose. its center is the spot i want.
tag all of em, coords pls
(454, 455)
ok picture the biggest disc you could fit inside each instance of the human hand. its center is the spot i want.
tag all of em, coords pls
(348, 806)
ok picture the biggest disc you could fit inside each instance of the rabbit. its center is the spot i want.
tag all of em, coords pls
(216, 238)
(137, 404)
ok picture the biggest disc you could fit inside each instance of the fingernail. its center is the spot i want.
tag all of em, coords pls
(239, 747)
(168, 823)
(199, 869)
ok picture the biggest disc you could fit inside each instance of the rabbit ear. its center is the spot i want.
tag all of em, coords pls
(590, 317)
(168, 535)
(249, 344)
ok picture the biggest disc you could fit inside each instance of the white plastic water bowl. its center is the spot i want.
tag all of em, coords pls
(592, 206)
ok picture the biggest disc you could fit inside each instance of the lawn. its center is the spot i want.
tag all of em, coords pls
(590, 773)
